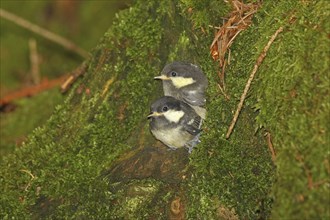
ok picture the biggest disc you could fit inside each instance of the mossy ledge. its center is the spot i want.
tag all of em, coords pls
(95, 157)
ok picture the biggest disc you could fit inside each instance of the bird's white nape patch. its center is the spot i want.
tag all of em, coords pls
(180, 81)
(173, 116)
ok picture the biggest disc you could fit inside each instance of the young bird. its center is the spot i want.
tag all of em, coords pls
(174, 123)
(185, 82)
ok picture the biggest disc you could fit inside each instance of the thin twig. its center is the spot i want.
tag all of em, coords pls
(32, 178)
(211, 26)
(229, 56)
(34, 61)
(28, 172)
(45, 84)
(270, 145)
(75, 74)
(250, 13)
(43, 32)
(308, 173)
(239, 19)
(248, 84)
(233, 38)
(223, 92)
(107, 85)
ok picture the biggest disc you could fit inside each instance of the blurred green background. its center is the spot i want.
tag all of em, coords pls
(82, 22)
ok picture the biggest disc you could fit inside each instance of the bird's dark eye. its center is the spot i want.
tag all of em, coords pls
(173, 73)
(165, 108)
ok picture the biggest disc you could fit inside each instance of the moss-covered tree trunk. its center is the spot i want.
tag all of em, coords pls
(96, 159)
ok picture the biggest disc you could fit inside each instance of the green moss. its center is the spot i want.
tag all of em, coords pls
(236, 174)
(25, 117)
(275, 109)
(87, 133)
(93, 131)
(204, 13)
(297, 111)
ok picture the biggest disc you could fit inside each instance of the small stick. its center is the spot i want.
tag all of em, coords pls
(75, 74)
(34, 61)
(248, 84)
(43, 32)
(32, 178)
(308, 173)
(223, 92)
(107, 85)
(270, 145)
(211, 26)
(229, 56)
(28, 172)
(242, 20)
(31, 90)
(231, 40)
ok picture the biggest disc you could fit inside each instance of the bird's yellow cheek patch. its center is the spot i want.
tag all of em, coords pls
(173, 116)
(179, 82)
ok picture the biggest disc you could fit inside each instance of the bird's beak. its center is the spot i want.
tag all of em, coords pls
(162, 77)
(154, 114)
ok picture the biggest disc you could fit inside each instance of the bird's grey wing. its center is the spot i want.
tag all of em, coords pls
(192, 130)
(192, 124)
(191, 121)
(200, 111)
(194, 97)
